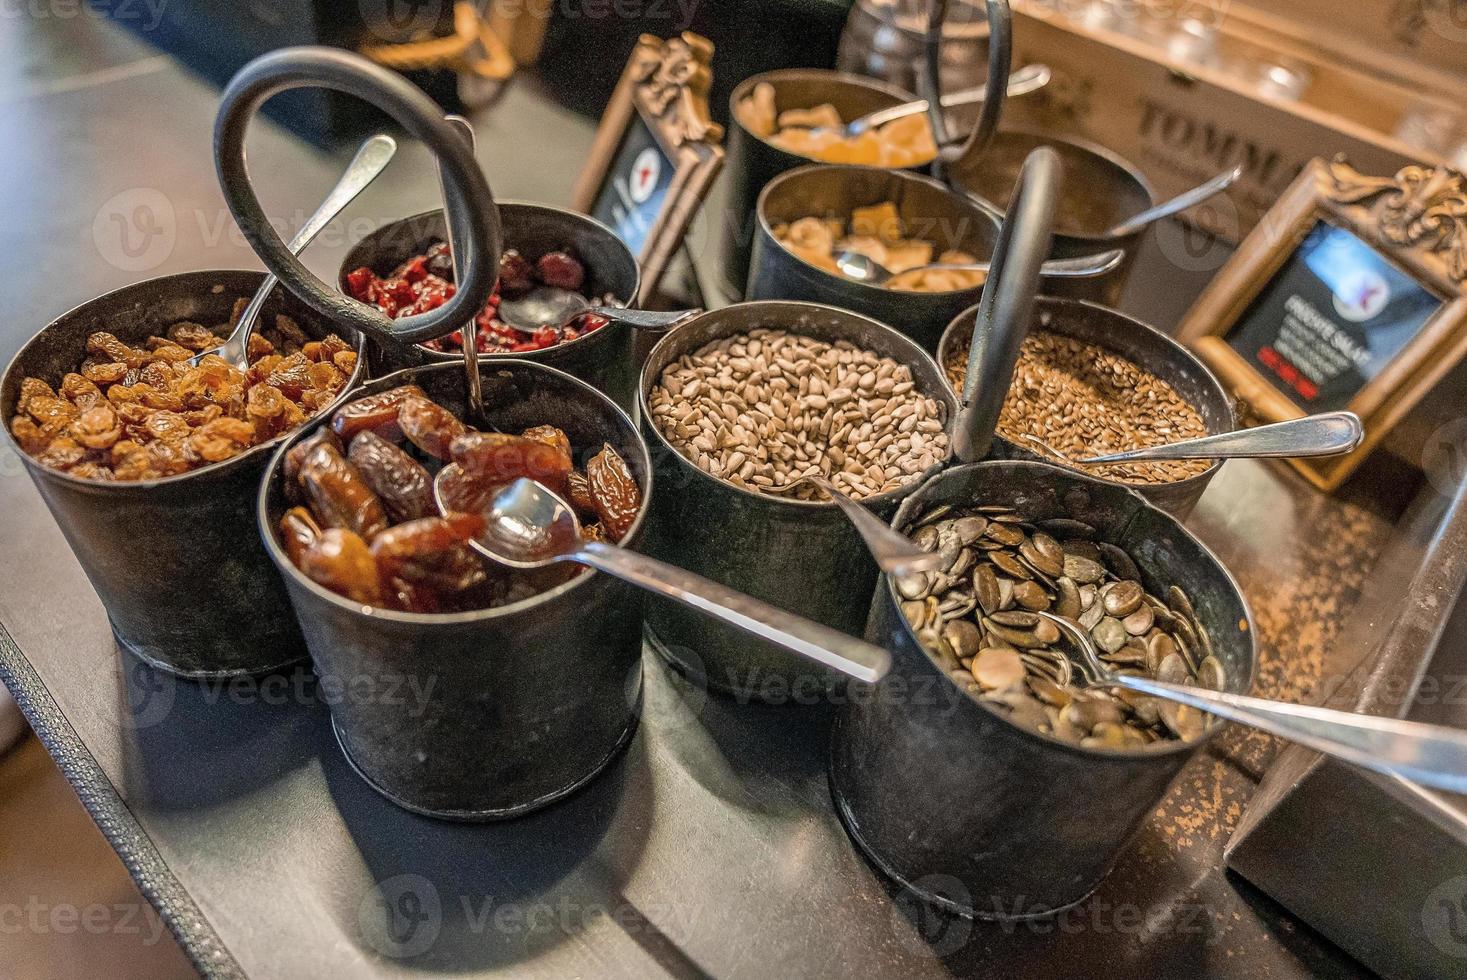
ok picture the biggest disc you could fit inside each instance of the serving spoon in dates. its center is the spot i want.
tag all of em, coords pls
(1431, 755)
(527, 525)
(371, 159)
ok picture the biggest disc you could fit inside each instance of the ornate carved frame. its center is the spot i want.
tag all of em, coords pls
(1418, 219)
(666, 82)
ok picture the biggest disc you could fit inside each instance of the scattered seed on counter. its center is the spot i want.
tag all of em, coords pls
(764, 409)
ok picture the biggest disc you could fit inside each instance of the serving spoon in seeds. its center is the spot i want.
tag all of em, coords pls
(894, 552)
(527, 525)
(1324, 434)
(1431, 755)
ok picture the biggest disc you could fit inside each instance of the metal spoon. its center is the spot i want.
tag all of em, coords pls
(894, 552)
(371, 159)
(548, 306)
(1432, 755)
(530, 527)
(1022, 82)
(1181, 202)
(863, 268)
(469, 330)
(1325, 434)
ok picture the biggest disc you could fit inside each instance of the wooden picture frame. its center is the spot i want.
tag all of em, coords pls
(1417, 222)
(663, 92)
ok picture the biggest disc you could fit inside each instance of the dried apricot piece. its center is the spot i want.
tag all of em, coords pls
(222, 438)
(97, 428)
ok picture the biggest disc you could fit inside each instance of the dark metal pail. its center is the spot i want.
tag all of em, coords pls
(754, 161)
(177, 562)
(971, 811)
(496, 712)
(799, 555)
(603, 358)
(1144, 346)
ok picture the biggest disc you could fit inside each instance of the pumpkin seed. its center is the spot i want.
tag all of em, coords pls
(1083, 570)
(977, 619)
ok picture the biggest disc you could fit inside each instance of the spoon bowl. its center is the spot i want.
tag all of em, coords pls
(527, 525)
(863, 268)
(555, 307)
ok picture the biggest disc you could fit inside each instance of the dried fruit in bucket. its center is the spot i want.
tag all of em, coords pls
(377, 498)
(142, 413)
(425, 282)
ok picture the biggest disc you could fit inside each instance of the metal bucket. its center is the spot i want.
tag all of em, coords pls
(1100, 190)
(177, 562)
(928, 210)
(497, 712)
(754, 162)
(799, 555)
(603, 358)
(972, 812)
(1144, 346)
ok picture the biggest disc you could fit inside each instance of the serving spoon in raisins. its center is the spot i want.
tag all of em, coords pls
(371, 159)
(527, 525)
(1431, 755)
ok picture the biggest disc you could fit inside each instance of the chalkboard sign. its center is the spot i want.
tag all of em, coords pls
(1348, 295)
(656, 152)
(1333, 316)
(635, 191)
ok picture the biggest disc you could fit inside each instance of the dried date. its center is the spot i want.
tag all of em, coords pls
(339, 495)
(403, 485)
(341, 561)
(495, 458)
(429, 426)
(375, 412)
(614, 492)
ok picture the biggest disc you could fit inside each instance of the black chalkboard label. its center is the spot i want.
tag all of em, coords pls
(1330, 319)
(636, 186)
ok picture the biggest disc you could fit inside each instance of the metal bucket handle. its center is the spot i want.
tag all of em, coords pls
(1007, 304)
(467, 199)
(1000, 60)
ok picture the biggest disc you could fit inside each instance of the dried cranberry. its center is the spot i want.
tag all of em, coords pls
(358, 281)
(440, 260)
(561, 270)
(516, 276)
(414, 269)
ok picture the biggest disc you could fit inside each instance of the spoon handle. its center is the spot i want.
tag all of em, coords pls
(369, 161)
(1432, 755)
(1075, 266)
(1177, 204)
(651, 320)
(1021, 82)
(1325, 434)
(859, 659)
